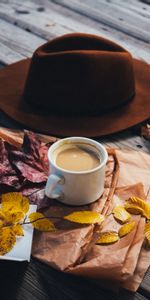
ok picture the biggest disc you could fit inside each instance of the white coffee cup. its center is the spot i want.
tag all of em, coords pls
(76, 187)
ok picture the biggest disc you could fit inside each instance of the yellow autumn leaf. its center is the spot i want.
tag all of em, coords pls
(133, 209)
(1, 223)
(40, 222)
(146, 212)
(126, 228)
(7, 240)
(140, 204)
(120, 214)
(15, 202)
(2, 215)
(18, 230)
(108, 237)
(85, 217)
(147, 232)
(14, 217)
(136, 201)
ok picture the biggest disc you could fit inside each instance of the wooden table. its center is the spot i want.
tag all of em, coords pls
(24, 25)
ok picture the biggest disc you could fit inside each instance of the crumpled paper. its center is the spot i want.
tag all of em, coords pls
(73, 250)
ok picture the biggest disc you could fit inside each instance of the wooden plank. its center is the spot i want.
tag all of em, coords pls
(137, 5)
(54, 22)
(17, 39)
(124, 6)
(127, 139)
(145, 285)
(8, 55)
(38, 281)
(34, 21)
(112, 17)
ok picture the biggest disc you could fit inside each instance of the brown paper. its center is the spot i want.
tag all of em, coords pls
(123, 262)
(73, 241)
(72, 249)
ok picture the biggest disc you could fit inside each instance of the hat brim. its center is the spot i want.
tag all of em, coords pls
(12, 81)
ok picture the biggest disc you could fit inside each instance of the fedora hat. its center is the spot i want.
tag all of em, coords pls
(77, 84)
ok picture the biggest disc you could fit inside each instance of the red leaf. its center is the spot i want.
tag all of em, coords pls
(26, 169)
(8, 177)
(36, 195)
(5, 166)
(28, 161)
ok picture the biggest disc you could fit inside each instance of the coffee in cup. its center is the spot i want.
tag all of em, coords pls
(77, 158)
(77, 170)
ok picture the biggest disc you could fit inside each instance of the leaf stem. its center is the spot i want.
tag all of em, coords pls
(29, 222)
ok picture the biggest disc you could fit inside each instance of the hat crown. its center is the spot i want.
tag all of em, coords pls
(79, 74)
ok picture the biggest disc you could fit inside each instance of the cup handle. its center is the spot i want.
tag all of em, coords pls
(52, 182)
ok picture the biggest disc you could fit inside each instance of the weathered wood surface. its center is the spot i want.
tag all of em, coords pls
(50, 19)
(24, 25)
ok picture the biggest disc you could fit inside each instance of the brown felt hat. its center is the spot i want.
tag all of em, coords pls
(77, 84)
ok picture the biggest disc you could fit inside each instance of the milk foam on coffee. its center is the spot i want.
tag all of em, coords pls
(77, 158)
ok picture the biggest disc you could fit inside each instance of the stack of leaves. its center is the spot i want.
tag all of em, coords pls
(14, 206)
(25, 169)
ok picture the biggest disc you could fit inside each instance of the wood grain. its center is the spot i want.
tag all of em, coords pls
(55, 20)
(115, 17)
